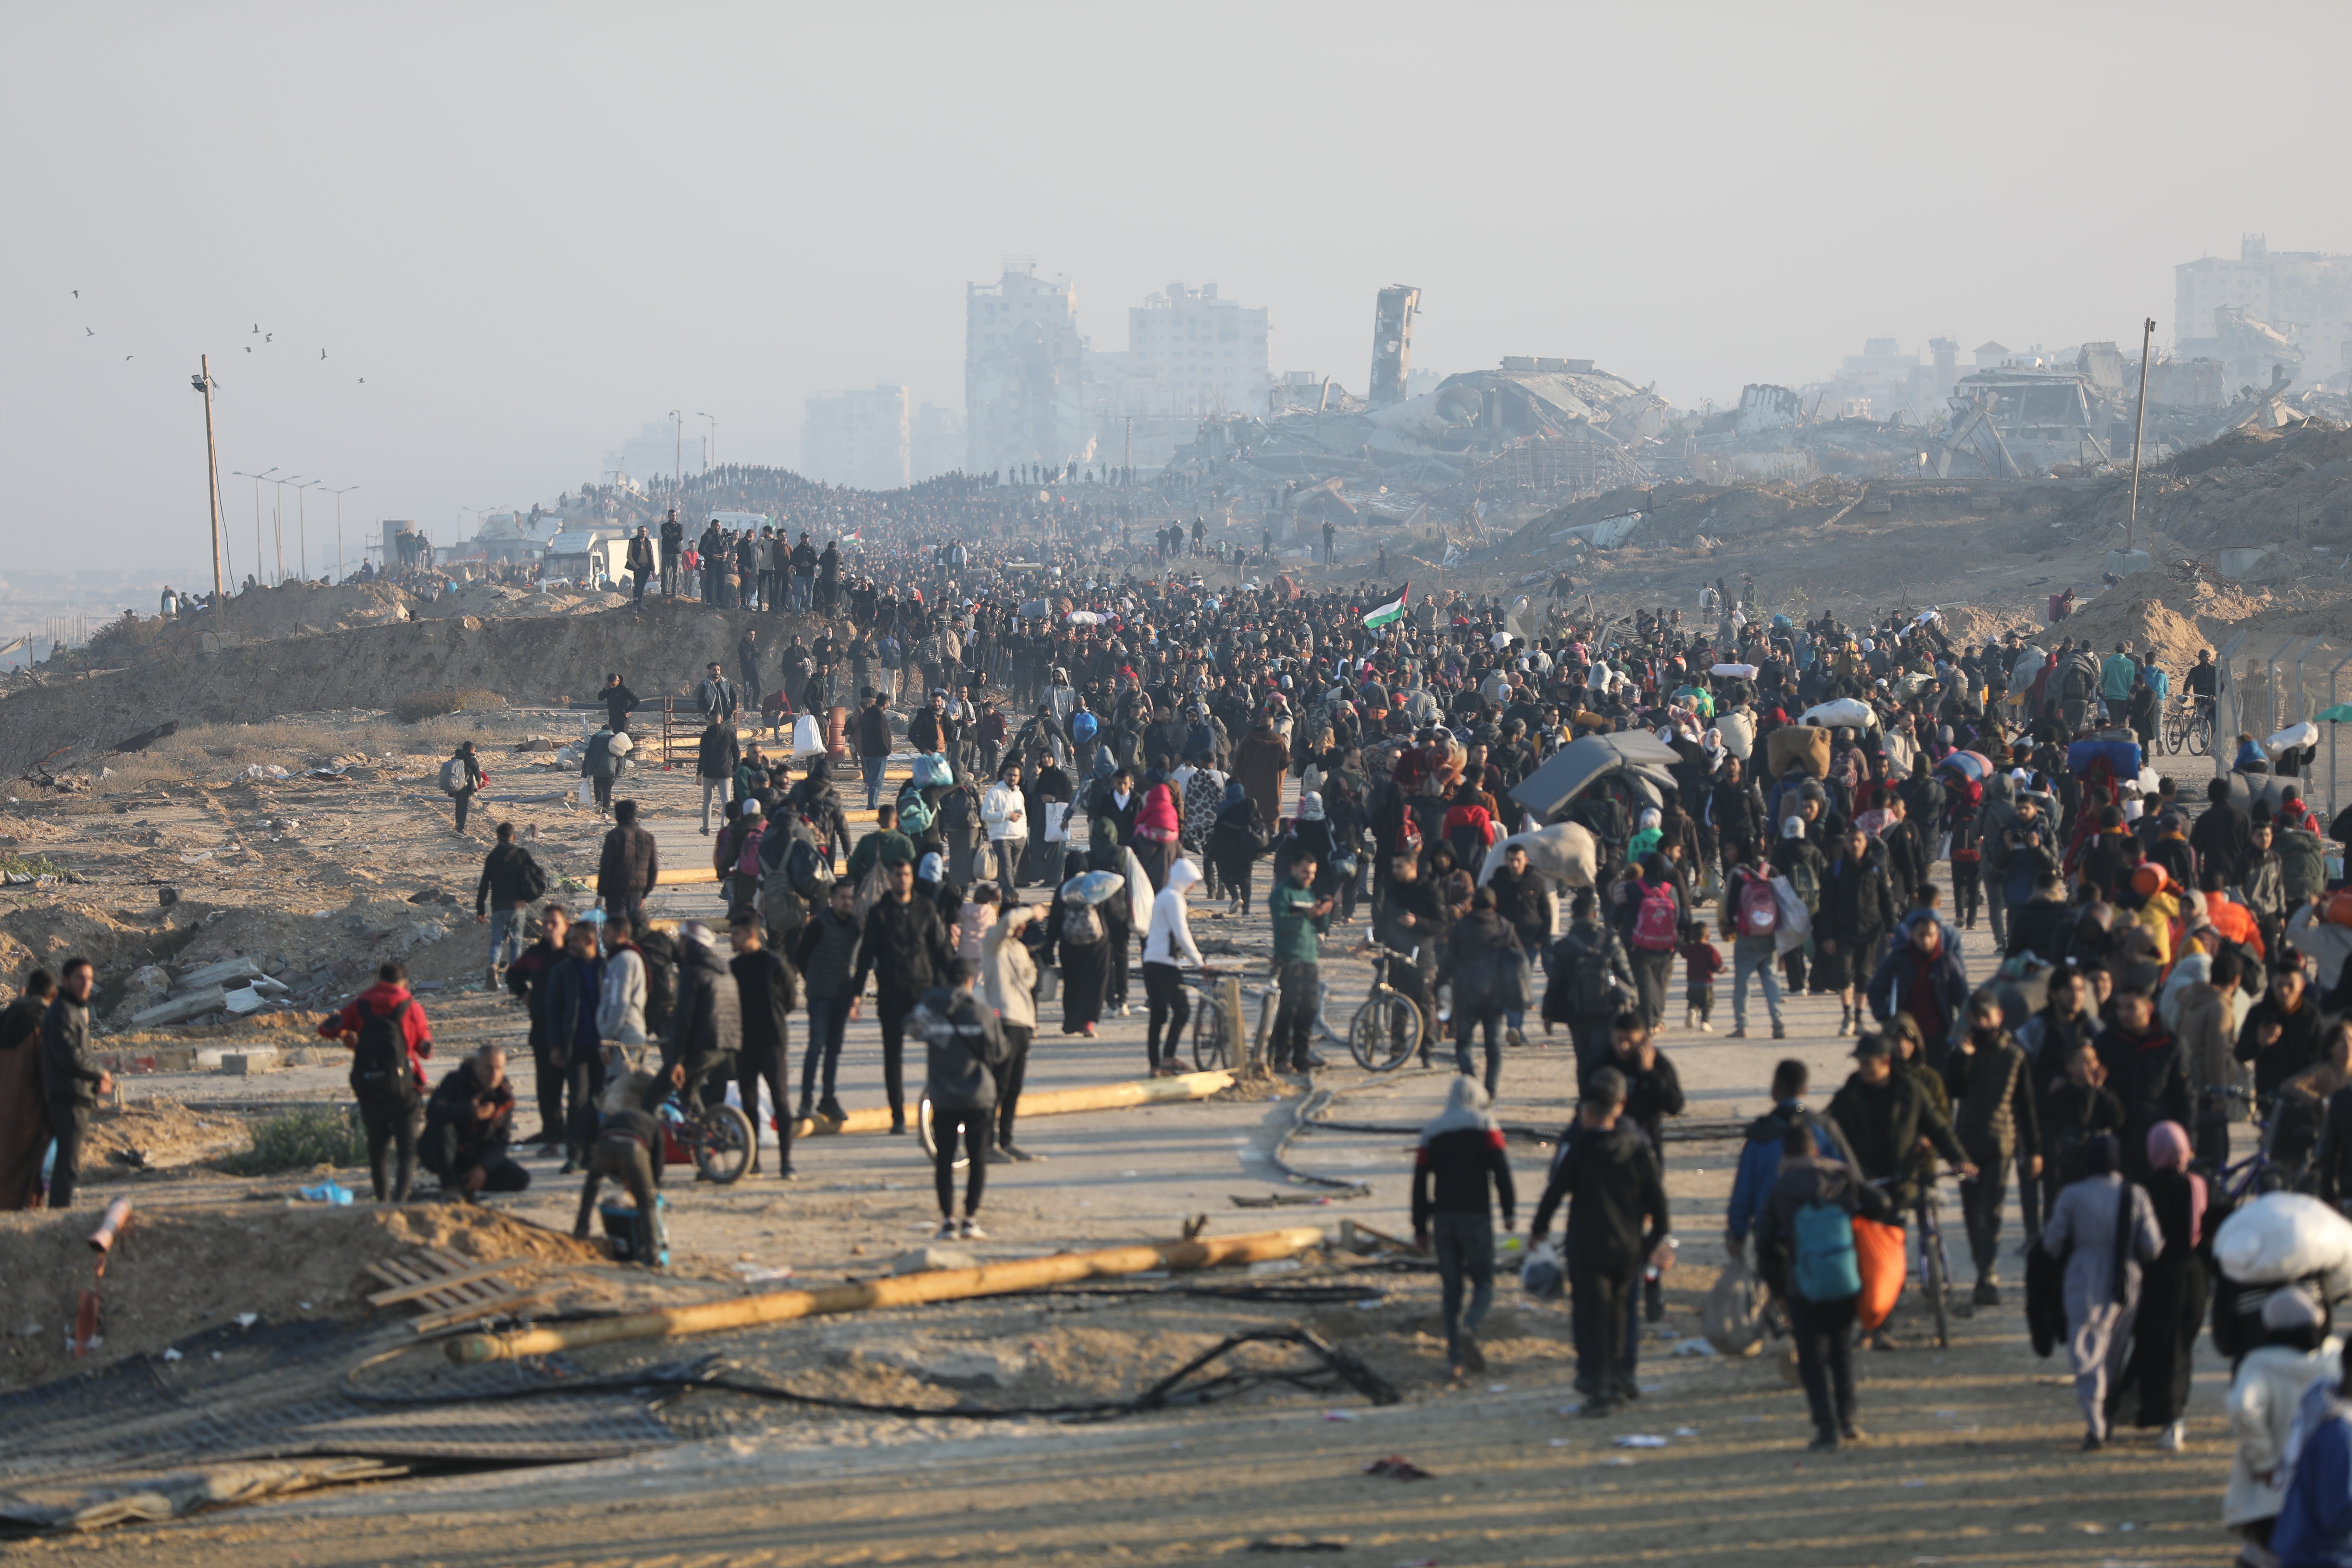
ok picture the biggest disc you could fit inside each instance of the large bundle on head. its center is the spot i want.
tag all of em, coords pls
(1565, 852)
(2281, 1237)
(1840, 714)
(1799, 745)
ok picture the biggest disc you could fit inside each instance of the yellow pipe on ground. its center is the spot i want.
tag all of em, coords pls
(901, 1290)
(1057, 1101)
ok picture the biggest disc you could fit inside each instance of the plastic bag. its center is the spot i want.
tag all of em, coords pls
(2285, 1235)
(1796, 921)
(1732, 1316)
(1878, 1253)
(1840, 712)
(1541, 1276)
(587, 791)
(808, 739)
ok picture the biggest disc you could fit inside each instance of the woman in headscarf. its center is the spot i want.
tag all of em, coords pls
(1157, 829)
(1238, 838)
(2297, 1351)
(2154, 1389)
(1309, 835)
(2105, 1229)
(1204, 796)
(1083, 934)
(1461, 1152)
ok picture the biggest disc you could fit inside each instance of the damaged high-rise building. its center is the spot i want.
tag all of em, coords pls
(1393, 342)
(1025, 391)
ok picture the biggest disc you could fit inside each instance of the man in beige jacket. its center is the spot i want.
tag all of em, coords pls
(1010, 975)
(2208, 1030)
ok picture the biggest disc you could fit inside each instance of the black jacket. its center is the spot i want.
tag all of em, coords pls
(455, 1140)
(1613, 1186)
(1452, 1173)
(1994, 1110)
(570, 996)
(1419, 898)
(874, 738)
(2296, 1048)
(528, 977)
(1857, 906)
(825, 953)
(2149, 1074)
(69, 1069)
(501, 884)
(630, 865)
(962, 1043)
(906, 944)
(1650, 1097)
(716, 753)
(1475, 951)
(617, 701)
(2043, 927)
(706, 1026)
(766, 995)
(1883, 1124)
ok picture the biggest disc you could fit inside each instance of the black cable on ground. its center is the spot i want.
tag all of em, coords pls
(1341, 1367)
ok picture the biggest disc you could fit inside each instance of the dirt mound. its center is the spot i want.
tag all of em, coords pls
(175, 1271)
(657, 647)
(2119, 615)
(2291, 488)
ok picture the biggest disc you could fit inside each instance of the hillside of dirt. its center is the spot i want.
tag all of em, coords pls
(657, 647)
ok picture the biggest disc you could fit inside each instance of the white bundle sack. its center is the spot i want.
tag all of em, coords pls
(2281, 1237)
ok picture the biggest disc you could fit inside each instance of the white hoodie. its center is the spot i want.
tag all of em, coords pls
(1170, 938)
(620, 1003)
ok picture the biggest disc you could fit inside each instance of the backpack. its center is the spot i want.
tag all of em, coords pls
(530, 879)
(807, 871)
(1967, 841)
(659, 949)
(914, 812)
(1083, 727)
(1760, 908)
(1822, 1266)
(956, 813)
(1806, 884)
(780, 909)
(747, 854)
(453, 775)
(380, 1059)
(1589, 990)
(1082, 925)
(1656, 927)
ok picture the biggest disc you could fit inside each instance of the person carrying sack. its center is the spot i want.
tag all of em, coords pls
(1805, 1250)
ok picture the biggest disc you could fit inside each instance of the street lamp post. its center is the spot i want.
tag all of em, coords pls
(678, 457)
(278, 524)
(258, 482)
(709, 447)
(339, 496)
(302, 528)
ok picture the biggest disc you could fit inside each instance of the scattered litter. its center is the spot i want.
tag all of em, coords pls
(170, 1354)
(1617, 1459)
(333, 1193)
(1368, 1306)
(1498, 1388)
(1338, 1415)
(1641, 1440)
(1693, 1348)
(758, 1274)
(1397, 1468)
(245, 1320)
(1296, 1544)
(1686, 1431)
(1276, 1266)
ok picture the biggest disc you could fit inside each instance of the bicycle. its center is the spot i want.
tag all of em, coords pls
(2188, 724)
(1386, 1031)
(719, 1139)
(1208, 1024)
(1934, 1266)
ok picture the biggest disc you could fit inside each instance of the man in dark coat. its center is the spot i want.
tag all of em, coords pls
(467, 1124)
(528, 978)
(766, 994)
(705, 1031)
(629, 866)
(2147, 1069)
(1617, 1222)
(71, 1079)
(906, 944)
(1994, 1108)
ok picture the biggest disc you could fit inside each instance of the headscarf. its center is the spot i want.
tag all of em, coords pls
(1235, 793)
(1310, 807)
(932, 867)
(2100, 1155)
(2168, 1149)
(1465, 1111)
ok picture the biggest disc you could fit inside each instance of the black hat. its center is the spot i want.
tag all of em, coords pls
(1873, 1044)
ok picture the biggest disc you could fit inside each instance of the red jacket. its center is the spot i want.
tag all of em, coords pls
(380, 999)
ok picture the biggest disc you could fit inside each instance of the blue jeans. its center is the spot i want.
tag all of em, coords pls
(828, 1018)
(873, 766)
(506, 936)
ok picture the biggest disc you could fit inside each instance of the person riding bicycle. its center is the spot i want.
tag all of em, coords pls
(705, 1031)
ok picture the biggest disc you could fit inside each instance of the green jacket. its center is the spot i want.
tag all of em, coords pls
(1296, 932)
(885, 845)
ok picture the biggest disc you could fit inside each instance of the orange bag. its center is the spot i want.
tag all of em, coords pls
(1878, 1254)
(2339, 906)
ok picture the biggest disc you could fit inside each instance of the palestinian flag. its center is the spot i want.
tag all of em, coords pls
(1392, 611)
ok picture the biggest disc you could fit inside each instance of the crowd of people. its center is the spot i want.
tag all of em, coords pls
(1099, 732)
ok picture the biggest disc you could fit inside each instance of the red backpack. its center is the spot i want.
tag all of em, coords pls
(1655, 929)
(1759, 909)
(747, 856)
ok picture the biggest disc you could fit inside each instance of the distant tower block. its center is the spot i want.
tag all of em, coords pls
(1393, 342)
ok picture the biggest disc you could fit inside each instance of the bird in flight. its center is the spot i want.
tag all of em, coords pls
(77, 293)
(268, 337)
(257, 329)
(88, 333)
(248, 348)
(362, 381)
(322, 353)
(129, 356)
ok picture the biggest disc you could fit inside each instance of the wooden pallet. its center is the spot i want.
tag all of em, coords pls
(452, 1290)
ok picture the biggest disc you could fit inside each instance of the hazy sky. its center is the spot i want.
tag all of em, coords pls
(532, 229)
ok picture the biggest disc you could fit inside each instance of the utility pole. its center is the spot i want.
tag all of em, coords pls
(212, 464)
(677, 458)
(709, 447)
(2140, 428)
(1130, 460)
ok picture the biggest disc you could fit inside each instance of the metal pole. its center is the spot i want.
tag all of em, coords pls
(2332, 728)
(2225, 706)
(212, 465)
(302, 528)
(678, 457)
(2140, 428)
(2273, 709)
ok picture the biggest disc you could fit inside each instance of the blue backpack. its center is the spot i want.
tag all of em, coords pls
(1824, 1268)
(1083, 727)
